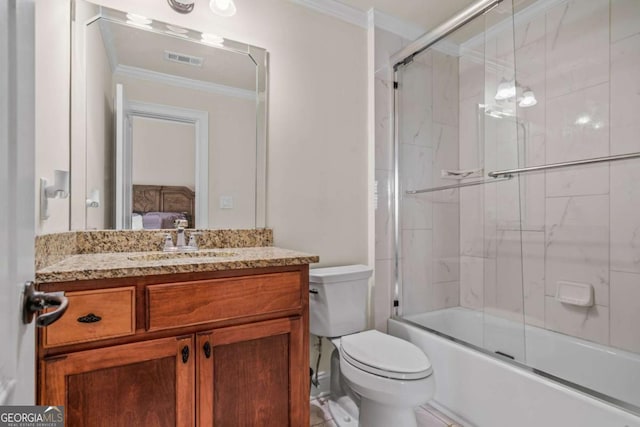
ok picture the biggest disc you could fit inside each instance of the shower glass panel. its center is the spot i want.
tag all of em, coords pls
(500, 209)
(540, 267)
(582, 61)
(460, 257)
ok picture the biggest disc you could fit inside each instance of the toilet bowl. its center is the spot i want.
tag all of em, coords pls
(385, 377)
(391, 376)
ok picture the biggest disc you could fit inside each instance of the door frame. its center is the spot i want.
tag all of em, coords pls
(17, 192)
(124, 184)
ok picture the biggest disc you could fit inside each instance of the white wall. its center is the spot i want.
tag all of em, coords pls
(164, 152)
(317, 157)
(52, 106)
(232, 147)
(98, 175)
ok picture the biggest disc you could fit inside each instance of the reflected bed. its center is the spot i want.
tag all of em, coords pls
(158, 206)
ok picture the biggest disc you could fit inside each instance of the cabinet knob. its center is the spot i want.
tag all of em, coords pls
(207, 349)
(185, 354)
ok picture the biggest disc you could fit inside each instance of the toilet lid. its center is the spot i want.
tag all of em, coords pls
(385, 355)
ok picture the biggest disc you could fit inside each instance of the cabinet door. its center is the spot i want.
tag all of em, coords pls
(150, 383)
(253, 375)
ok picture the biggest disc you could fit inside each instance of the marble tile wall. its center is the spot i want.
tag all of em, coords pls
(473, 264)
(466, 247)
(428, 135)
(582, 60)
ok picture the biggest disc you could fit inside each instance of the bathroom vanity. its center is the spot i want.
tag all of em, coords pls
(153, 339)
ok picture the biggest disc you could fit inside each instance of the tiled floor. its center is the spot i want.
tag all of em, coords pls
(427, 416)
(320, 415)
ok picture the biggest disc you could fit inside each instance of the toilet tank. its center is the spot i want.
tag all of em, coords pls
(338, 300)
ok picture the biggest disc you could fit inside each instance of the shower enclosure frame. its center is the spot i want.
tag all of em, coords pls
(404, 57)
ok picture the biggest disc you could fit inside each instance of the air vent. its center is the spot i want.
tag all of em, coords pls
(196, 61)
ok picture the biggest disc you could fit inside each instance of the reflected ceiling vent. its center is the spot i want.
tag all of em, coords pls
(196, 61)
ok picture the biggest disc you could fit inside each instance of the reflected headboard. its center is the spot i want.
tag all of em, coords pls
(165, 198)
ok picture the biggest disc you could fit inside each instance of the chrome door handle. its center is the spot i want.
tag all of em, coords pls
(35, 301)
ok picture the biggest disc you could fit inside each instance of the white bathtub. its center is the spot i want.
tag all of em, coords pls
(492, 393)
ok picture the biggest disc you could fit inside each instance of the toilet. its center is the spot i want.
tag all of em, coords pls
(377, 380)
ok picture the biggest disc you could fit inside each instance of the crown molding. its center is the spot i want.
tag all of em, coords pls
(337, 10)
(183, 82)
(520, 18)
(173, 80)
(394, 25)
(362, 19)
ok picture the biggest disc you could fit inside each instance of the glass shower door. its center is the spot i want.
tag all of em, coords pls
(460, 245)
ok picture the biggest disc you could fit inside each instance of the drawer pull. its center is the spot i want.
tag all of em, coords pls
(89, 318)
(185, 354)
(207, 349)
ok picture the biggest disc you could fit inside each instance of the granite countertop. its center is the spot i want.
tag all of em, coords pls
(131, 264)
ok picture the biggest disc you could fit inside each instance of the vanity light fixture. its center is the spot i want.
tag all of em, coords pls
(182, 6)
(223, 7)
(508, 89)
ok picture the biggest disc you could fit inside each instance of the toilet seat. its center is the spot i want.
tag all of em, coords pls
(385, 356)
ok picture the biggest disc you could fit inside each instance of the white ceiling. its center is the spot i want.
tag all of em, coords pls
(145, 50)
(424, 13)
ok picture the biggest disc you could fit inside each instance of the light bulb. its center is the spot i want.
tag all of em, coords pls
(506, 90)
(583, 120)
(528, 98)
(223, 7)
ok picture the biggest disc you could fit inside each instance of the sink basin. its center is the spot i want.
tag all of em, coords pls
(181, 255)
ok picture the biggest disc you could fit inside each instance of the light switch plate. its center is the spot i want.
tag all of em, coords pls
(226, 202)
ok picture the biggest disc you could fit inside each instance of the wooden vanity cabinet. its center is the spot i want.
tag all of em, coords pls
(139, 384)
(209, 349)
(250, 375)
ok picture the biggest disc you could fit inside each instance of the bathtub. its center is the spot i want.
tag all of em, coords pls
(491, 392)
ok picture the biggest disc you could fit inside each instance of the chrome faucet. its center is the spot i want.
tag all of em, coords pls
(180, 241)
(168, 243)
(181, 245)
(193, 243)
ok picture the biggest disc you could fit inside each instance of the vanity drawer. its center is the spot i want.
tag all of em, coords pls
(93, 315)
(189, 303)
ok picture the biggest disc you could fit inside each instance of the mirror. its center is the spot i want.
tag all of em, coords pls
(167, 123)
